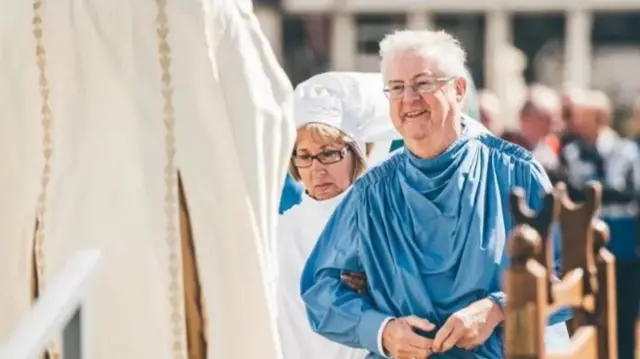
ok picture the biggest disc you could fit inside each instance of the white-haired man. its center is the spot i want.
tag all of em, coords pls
(428, 226)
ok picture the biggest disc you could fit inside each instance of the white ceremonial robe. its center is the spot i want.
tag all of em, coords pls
(102, 104)
(298, 231)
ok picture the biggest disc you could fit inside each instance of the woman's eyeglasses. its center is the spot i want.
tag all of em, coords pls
(325, 157)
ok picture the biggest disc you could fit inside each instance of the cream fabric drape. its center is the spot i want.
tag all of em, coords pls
(102, 102)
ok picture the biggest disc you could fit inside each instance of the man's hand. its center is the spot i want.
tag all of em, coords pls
(355, 281)
(469, 327)
(401, 342)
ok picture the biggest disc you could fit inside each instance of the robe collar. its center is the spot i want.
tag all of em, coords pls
(429, 174)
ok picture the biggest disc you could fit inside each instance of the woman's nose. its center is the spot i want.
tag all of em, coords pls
(316, 165)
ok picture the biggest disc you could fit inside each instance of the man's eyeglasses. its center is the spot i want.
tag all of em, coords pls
(422, 86)
(325, 157)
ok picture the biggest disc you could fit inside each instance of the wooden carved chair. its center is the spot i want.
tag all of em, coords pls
(587, 285)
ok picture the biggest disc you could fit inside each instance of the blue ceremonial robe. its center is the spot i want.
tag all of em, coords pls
(430, 236)
(291, 194)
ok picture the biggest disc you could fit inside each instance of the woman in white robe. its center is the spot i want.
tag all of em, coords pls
(336, 113)
(157, 132)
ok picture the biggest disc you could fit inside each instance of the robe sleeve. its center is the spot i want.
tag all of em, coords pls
(258, 97)
(531, 176)
(334, 310)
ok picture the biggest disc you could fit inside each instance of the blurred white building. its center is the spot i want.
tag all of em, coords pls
(343, 35)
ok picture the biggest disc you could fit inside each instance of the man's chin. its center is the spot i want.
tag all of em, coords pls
(415, 135)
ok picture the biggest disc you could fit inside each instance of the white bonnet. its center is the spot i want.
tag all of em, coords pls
(352, 102)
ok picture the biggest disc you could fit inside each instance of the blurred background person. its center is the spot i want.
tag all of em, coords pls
(598, 153)
(570, 99)
(490, 112)
(540, 120)
(635, 120)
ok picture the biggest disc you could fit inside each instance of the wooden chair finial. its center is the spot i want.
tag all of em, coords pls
(541, 222)
(524, 245)
(577, 233)
(588, 285)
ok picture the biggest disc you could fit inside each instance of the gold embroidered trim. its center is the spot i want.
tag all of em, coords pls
(170, 173)
(47, 142)
(46, 118)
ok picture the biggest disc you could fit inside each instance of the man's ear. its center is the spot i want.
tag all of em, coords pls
(461, 88)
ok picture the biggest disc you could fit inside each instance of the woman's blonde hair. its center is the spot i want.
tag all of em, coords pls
(322, 133)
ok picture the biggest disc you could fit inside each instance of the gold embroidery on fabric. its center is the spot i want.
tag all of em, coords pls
(46, 119)
(170, 200)
(45, 115)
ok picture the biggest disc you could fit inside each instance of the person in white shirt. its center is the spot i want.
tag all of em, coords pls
(335, 113)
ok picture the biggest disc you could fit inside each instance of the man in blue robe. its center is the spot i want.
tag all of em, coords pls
(429, 226)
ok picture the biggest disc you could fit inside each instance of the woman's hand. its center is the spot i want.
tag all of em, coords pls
(400, 341)
(469, 327)
(355, 281)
